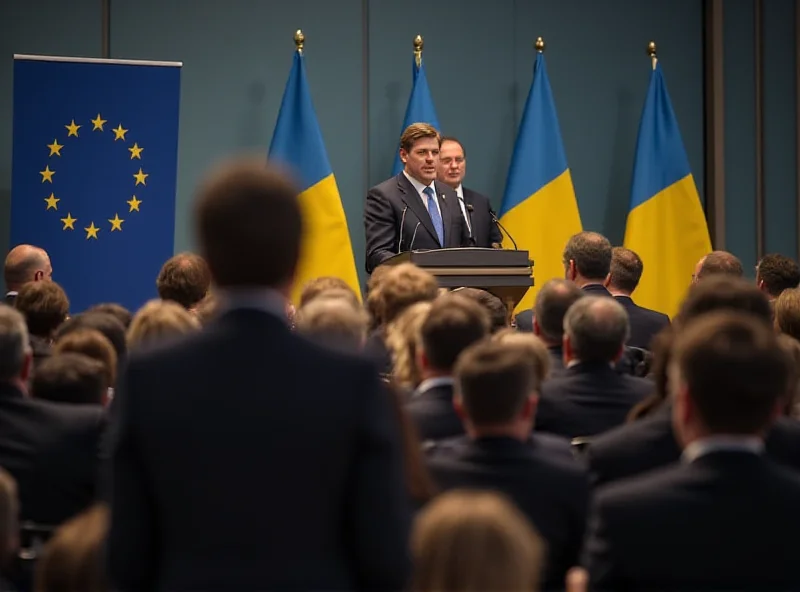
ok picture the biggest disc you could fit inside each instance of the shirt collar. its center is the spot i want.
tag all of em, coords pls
(460, 191)
(420, 187)
(432, 383)
(698, 448)
(262, 299)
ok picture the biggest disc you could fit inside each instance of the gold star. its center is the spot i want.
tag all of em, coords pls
(135, 151)
(73, 129)
(119, 133)
(98, 123)
(91, 231)
(140, 177)
(55, 148)
(134, 203)
(47, 174)
(69, 222)
(116, 223)
(52, 201)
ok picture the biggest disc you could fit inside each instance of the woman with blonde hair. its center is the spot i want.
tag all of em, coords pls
(159, 320)
(403, 338)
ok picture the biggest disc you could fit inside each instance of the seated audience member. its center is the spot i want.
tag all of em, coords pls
(371, 302)
(184, 279)
(9, 528)
(107, 324)
(467, 541)
(718, 263)
(122, 314)
(552, 303)
(45, 307)
(791, 347)
(537, 350)
(73, 559)
(321, 285)
(498, 313)
(590, 396)
(206, 309)
(787, 312)
(626, 271)
(587, 262)
(496, 395)
(727, 511)
(650, 443)
(158, 321)
(71, 378)
(93, 344)
(403, 341)
(776, 273)
(25, 264)
(50, 449)
(333, 321)
(452, 325)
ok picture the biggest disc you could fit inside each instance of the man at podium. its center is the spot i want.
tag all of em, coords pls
(413, 210)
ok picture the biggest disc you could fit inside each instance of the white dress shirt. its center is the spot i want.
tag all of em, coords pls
(711, 444)
(462, 204)
(420, 188)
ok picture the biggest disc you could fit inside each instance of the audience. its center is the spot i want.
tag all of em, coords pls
(587, 262)
(45, 307)
(72, 377)
(331, 319)
(787, 312)
(159, 321)
(106, 323)
(535, 347)
(498, 313)
(776, 273)
(324, 285)
(718, 263)
(94, 345)
(25, 264)
(9, 528)
(403, 341)
(122, 314)
(553, 301)
(184, 279)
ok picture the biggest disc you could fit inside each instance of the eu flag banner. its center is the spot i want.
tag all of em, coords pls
(420, 107)
(666, 224)
(297, 143)
(539, 208)
(94, 172)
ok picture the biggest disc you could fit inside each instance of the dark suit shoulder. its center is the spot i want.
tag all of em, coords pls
(386, 187)
(475, 197)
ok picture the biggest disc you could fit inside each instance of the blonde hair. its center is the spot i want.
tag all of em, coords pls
(533, 345)
(466, 541)
(403, 340)
(93, 344)
(787, 312)
(401, 287)
(160, 319)
(332, 317)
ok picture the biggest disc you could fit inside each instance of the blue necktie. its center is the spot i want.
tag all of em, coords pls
(436, 217)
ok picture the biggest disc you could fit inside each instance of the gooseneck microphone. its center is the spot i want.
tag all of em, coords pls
(468, 211)
(503, 228)
(413, 237)
(402, 223)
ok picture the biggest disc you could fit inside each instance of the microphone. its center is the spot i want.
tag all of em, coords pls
(468, 212)
(402, 222)
(503, 228)
(414, 236)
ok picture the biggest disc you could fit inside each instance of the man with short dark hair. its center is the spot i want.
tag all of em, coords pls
(552, 303)
(587, 261)
(590, 396)
(625, 273)
(718, 263)
(498, 313)
(184, 279)
(70, 378)
(728, 377)
(45, 307)
(331, 511)
(24, 264)
(776, 273)
(497, 390)
(452, 324)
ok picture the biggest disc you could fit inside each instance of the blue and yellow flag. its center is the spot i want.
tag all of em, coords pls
(666, 225)
(297, 143)
(420, 107)
(95, 154)
(539, 208)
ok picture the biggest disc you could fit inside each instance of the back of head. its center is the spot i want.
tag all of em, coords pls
(184, 279)
(466, 541)
(552, 303)
(404, 285)
(591, 254)
(372, 299)
(402, 339)
(626, 270)
(249, 226)
(91, 343)
(317, 286)
(334, 322)
(597, 328)
(791, 347)
(103, 322)
(453, 324)
(14, 343)
(44, 305)
(23, 264)
(498, 313)
(776, 273)
(159, 320)
(787, 312)
(732, 369)
(720, 263)
(536, 348)
(206, 309)
(122, 314)
(724, 292)
(70, 378)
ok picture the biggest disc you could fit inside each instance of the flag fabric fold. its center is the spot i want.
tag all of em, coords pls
(420, 107)
(539, 207)
(94, 172)
(297, 143)
(666, 223)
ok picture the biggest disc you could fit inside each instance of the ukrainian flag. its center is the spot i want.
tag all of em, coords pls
(539, 207)
(420, 107)
(297, 143)
(666, 224)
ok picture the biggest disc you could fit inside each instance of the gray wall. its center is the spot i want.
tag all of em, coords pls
(479, 58)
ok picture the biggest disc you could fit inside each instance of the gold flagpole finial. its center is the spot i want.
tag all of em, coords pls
(651, 51)
(418, 43)
(299, 40)
(539, 44)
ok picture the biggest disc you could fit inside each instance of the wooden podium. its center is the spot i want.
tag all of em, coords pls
(505, 273)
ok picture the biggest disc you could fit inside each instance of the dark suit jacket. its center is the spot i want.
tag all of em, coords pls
(725, 521)
(552, 491)
(587, 399)
(645, 323)
(433, 414)
(383, 218)
(596, 290)
(52, 450)
(524, 320)
(484, 228)
(248, 458)
(649, 443)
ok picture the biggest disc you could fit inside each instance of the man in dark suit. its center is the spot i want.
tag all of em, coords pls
(453, 324)
(590, 396)
(413, 210)
(717, 263)
(726, 512)
(776, 273)
(286, 473)
(496, 396)
(626, 271)
(475, 207)
(587, 262)
(25, 263)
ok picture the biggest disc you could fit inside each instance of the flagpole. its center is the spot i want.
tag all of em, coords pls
(299, 41)
(651, 51)
(418, 43)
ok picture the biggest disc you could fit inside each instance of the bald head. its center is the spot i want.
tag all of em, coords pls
(552, 303)
(24, 264)
(595, 330)
(718, 263)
